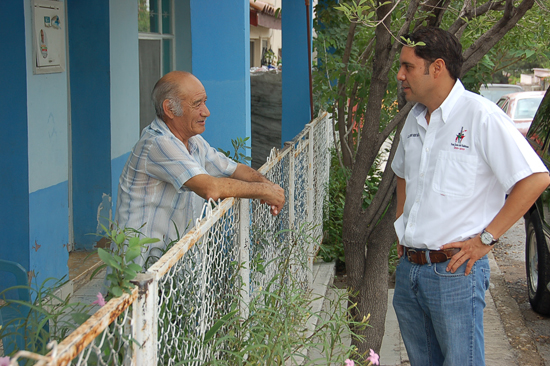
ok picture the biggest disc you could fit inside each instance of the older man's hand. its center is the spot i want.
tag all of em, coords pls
(275, 198)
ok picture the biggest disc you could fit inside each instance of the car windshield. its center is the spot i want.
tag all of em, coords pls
(526, 108)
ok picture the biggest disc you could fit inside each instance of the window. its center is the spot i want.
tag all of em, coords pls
(156, 50)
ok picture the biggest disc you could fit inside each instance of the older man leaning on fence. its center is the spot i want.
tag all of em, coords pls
(172, 169)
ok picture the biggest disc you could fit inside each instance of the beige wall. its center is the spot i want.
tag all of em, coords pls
(258, 35)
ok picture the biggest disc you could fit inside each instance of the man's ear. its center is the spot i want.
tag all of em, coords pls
(439, 66)
(167, 110)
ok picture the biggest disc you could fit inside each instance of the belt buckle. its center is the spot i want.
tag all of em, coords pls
(409, 253)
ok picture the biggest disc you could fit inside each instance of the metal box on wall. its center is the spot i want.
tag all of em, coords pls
(49, 45)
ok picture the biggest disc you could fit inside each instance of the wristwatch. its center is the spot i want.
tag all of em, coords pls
(487, 238)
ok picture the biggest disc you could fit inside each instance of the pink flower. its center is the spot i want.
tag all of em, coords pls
(349, 362)
(4, 361)
(374, 358)
(100, 301)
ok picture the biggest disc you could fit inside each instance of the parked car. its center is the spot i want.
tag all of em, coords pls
(537, 219)
(493, 92)
(521, 107)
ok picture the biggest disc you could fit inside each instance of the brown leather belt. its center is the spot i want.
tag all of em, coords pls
(418, 256)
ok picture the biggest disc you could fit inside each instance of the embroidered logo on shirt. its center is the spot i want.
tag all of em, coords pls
(413, 135)
(458, 145)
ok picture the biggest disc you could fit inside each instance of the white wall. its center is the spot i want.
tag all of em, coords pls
(124, 76)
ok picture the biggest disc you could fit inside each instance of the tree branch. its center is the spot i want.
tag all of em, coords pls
(468, 13)
(342, 98)
(484, 43)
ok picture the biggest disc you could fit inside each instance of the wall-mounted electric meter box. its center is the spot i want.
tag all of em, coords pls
(49, 45)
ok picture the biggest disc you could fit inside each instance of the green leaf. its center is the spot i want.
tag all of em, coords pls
(132, 253)
(80, 318)
(105, 256)
(130, 273)
(120, 238)
(133, 241)
(117, 291)
(135, 267)
(148, 240)
(214, 329)
(97, 270)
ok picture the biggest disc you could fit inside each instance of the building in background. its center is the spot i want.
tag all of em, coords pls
(265, 33)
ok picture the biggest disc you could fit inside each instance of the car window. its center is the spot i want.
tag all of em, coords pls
(503, 104)
(539, 132)
(526, 108)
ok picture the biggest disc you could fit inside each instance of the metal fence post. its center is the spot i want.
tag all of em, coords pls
(145, 320)
(310, 203)
(291, 186)
(244, 255)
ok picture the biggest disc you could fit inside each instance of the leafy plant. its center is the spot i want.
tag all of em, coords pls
(332, 247)
(128, 246)
(47, 318)
(238, 156)
(274, 332)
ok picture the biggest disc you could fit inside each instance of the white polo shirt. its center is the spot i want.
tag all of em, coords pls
(457, 169)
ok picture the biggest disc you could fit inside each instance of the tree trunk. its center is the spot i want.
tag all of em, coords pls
(372, 297)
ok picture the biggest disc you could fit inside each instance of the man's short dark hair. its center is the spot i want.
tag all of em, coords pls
(439, 44)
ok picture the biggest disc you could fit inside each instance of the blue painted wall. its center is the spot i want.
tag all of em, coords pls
(296, 110)
(221, 60)
(89, 56)
(49, 234)
(47, 103)
(14, 195)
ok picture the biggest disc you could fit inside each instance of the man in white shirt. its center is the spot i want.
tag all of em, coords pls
(172, 170)
(458, 157)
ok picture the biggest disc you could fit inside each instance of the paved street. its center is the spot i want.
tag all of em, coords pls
(532, 341)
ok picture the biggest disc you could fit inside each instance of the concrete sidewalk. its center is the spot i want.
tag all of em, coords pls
(498, 350)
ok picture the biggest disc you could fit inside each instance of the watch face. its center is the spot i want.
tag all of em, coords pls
(486, 238)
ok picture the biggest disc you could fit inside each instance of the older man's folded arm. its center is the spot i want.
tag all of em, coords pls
(209, 187)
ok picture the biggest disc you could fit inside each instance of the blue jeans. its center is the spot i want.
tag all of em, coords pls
(440, 313)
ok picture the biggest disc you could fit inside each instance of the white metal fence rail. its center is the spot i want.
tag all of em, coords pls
(164, 320)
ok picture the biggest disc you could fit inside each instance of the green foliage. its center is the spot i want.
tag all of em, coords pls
(144, 23)
(274, 332)
(238, 156)
(393, 259)
(51, 318)
(126, 246)
(523, 48)
(332, 27)
(332, 247)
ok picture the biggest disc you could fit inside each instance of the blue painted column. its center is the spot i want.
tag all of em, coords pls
(296, 110)
(14, 186)
(220, 36)
(90, 115)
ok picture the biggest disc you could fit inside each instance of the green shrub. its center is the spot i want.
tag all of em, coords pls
(274, 332)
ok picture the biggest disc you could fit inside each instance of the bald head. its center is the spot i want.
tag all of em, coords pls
(172, 87)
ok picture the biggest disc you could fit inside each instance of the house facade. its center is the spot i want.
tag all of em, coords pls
(76, 79)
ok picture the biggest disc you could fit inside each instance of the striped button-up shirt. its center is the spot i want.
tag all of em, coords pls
(151, 188)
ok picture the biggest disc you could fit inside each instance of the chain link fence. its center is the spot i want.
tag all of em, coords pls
(222, 263)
